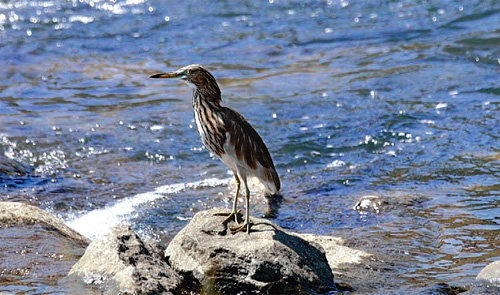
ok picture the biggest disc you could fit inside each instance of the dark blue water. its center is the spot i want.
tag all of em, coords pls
(397, 99)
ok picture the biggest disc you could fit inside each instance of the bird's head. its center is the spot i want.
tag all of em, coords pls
(196, 76)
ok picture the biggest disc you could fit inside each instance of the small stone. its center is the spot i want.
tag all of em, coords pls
(369, 203)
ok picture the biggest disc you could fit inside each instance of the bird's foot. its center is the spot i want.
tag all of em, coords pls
(229, 216)
(245, 225)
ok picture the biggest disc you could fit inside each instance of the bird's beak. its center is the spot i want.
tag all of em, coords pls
(166, 75)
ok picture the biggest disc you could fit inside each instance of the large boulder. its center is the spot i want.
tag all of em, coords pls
(122, 263)
(269, 260)
(36, 249)
(490, 274)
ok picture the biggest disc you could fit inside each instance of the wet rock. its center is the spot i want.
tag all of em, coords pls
(13, 213)
(269, 260)
(37, 248)
(369, 203)
(490, 275)
(353, 268)
(13, 168)
(438, 289)
(445, 289)
(390, 201)
(336, 253)
(122, 262)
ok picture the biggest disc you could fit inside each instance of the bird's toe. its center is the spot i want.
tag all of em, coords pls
(243, 227)
(229, 215)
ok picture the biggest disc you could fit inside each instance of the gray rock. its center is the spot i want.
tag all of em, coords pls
(268, 260)
(37, 248)
(352, 268)
(336, 253)
(388, 201)
(13, 213)
(122, 262)
(490, 274)
(369, 203)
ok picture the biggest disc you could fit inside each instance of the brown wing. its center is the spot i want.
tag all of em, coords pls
(249, 145)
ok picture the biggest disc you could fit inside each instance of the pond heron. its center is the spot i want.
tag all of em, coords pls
(229, 136)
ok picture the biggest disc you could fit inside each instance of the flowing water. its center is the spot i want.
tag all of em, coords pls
(398, 99)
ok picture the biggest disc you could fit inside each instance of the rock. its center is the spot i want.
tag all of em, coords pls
(393, 200)
(336, 254)
(268, 260)
(431, 289)
(13, 213)
(122, 262)
(369, 203)
(490, 274)
(353, 268)
(13, 168)
(36, 249)
(445, 289)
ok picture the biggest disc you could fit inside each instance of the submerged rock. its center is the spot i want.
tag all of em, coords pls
(490, 274)
(36, 248)
(13, 168)
(393, 200)
(268, 260)
(445, 289)
(369, 203)
(121, 262)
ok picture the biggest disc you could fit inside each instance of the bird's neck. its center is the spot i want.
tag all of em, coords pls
(202, 97)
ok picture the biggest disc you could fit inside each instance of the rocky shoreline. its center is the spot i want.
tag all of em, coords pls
(204, 257)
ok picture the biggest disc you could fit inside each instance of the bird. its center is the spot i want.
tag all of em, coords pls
(229, 136)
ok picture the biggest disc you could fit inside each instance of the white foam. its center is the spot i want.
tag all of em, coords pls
(425, 121)
(336, 163)
(81, 18)
(441, 105)
(97, 223)
(156, 128)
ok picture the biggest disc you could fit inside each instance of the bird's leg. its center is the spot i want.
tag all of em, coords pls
(233, 212)
(245, 224)
(235, 202)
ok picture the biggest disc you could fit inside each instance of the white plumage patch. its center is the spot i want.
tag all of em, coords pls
(242, 169)
(191, 85)
(229, 156)
(201, 132)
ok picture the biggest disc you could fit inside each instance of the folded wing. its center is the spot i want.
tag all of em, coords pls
(250, 148)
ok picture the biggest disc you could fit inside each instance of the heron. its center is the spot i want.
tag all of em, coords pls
(229, 136)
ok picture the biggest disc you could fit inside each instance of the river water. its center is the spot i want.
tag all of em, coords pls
(395, 99)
